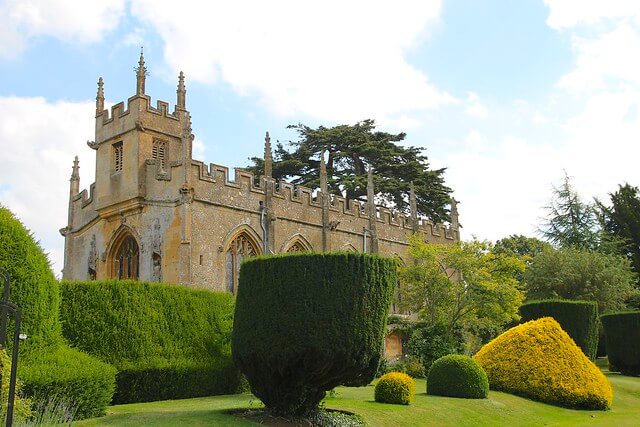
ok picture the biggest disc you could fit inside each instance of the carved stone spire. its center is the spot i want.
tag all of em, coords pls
(324, 193)
(268, 158)
(372, 212)
(413, 205)
(75, 178)
(100, 97)
(182, 92)
(269, 216)
(454, 213)
(141, 74)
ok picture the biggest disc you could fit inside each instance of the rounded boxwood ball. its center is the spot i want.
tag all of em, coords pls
(395, 387)
(456, 375)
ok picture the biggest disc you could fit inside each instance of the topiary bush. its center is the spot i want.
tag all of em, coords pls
(538, 360)
(579, 319)
(457, 375)
(306, 323)
(395, 387)
(33, 286)
(622, 332)
(47, 365)
(167, 341)
(69, 375)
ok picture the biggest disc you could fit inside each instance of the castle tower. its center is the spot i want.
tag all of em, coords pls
(143, 158)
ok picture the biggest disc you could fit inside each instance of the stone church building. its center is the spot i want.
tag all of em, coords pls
(156, 214)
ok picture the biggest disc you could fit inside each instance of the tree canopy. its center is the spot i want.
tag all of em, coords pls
(570, 222)
(351, 150)
(580, 274)
(520, 245)
(464, 282)
(621, 222)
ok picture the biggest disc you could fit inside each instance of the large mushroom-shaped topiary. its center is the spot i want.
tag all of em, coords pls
(456, 375)
(306, 323)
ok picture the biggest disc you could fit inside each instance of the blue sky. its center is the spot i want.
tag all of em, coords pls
(507, 95)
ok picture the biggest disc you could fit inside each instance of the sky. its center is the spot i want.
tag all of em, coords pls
(507, 95)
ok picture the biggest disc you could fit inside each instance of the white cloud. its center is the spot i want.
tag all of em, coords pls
(135, 38)
(565, 14)
(606, 61)
(475, 108)
(77, 21)
(330, 60)
(38, 141)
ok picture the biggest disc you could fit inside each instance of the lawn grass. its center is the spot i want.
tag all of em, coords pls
(500, 409)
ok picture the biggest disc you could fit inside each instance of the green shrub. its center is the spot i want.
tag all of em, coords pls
(409, 365)
(47, 366)
(71, 376)
(540, 361)
(167, 341)
(622, 331)
(430, 342)
(457, 375)
(306, 323)
(579, 319)
(176, 379)
(395, 387)
(21, 406)
(33, 286)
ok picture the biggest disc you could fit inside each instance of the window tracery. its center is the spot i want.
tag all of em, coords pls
(240, 248)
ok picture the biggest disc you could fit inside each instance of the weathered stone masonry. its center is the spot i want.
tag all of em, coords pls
(156, 214)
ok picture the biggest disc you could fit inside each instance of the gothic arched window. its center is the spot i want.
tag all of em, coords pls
(297, 247)
(127, 259)
(241, 247)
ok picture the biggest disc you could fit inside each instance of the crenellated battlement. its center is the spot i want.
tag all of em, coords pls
(214, 179)
(118, 111)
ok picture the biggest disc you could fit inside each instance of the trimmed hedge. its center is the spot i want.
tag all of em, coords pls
(71, 376)
(167, 341)
(622, 331)
(33, 286)
(306, 323)
(456, 375)
(538, 360)
(395, 387)
(579, 319)
(47, 366)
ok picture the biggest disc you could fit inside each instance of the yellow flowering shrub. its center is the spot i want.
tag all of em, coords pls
(540, 361)
(395, 387)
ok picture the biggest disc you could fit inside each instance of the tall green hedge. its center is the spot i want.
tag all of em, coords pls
(166, 341)
(579, 319)
(47, 366)
(33, 286)
(622, 331)
(306, 323)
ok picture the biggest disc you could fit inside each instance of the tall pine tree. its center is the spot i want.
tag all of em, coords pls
(621, 221)
(570, 222)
